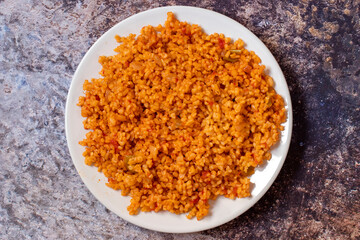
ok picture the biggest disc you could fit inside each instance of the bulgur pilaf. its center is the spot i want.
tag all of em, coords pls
(180, 117)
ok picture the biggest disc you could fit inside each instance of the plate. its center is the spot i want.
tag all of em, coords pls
(223, 209)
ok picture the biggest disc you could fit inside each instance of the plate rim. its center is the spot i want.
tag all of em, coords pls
(268, 184)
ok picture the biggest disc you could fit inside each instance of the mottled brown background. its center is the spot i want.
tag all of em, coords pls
(316, 195)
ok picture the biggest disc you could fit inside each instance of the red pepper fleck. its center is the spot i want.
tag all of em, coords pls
(156, 205)
(204, 174)
(183, 30)
(221, 43)
(115, 144)
(235, 190)
(111, 180)
(177, 79)
(211, 59)
(195, 201)
(210, 103)
(97, 97)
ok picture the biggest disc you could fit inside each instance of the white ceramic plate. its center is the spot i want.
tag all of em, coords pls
(223, 209)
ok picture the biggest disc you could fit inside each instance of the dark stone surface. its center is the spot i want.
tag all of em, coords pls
(316, 195)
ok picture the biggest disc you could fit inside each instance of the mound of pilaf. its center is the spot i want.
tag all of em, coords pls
(180, 117)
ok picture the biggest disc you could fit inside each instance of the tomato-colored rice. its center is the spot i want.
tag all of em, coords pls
(180, 117)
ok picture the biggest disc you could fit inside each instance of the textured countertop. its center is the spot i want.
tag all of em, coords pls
(316, 195)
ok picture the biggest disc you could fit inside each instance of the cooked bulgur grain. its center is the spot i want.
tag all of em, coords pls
(180, 117)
